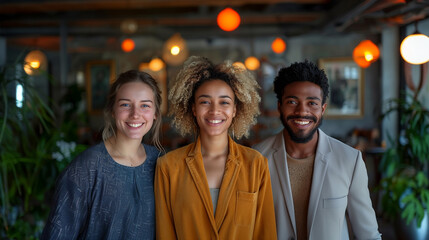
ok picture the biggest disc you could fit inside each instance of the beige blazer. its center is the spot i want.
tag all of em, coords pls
(340, 184)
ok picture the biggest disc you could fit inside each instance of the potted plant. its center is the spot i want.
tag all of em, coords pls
(405, 184)
(33, 150)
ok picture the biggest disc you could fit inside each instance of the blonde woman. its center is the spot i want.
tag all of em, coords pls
(107, 191)
(214, 188)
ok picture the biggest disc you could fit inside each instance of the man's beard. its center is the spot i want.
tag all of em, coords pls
(303, 138)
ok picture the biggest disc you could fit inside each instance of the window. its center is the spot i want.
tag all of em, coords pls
(19, 95)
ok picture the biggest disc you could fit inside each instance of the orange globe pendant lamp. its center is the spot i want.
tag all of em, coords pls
(128, 45)
(365, 53)
(156, 64)
(278, 45)
(228, 19)
(252, 63)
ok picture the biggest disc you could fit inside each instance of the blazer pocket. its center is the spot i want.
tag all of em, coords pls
(340, 202)
(245, 209)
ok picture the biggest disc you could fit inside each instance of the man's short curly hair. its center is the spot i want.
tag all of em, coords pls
(198, 70)
(301, 72)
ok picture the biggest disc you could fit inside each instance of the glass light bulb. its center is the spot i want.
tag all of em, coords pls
(368, 56)
(415, 48)
(175, 50)
(35, 64)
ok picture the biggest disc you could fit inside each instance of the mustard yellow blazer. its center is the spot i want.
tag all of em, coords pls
(184, 208)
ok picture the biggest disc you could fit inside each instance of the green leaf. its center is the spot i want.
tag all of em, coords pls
(420, 213)
(421, 179)
(390, 169)
(425, 198)
(409, 212)
(408, 198)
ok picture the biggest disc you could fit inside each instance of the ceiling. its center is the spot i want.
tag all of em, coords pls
(197, 18)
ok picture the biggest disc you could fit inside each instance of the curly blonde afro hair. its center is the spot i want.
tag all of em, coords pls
(198, 70)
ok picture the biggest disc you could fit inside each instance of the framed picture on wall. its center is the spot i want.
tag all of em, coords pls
(99, 75)
(346, 87)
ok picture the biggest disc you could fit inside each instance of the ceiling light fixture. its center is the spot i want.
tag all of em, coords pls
(156, 64)
(35, 62)
(365, 53)
(129, 26)
(278, 45)
(175, 50)
(228, 19)
(252, 63)
(415, 48)
(128, 45)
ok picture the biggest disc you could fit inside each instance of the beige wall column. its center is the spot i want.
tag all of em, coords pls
(390, 79)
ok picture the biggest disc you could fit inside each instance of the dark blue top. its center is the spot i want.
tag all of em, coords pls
(97, 198)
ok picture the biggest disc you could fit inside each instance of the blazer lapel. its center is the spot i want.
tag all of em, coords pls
(227, 189)
(198, 173)
(280, 160)
(319, 173)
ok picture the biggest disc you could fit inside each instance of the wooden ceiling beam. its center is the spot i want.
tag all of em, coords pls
(250, 19)
(67, 6)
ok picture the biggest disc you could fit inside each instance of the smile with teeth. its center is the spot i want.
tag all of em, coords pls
(215, 121)
(302, 122)
(135, 125)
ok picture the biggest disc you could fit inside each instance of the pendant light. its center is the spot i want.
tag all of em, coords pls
(415, 48)
(128, 45)
(175, 50)
(35, 62)
(156, 64)
(228, 20)
(365, 53)
(278, 45)
(252, 63)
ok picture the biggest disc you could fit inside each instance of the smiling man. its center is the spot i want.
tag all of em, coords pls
(316, 179)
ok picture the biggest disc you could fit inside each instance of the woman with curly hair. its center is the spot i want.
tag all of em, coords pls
(214, 188)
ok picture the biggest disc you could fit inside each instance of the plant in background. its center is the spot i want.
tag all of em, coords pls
(31, 143)
(405, 185)
(21, 152)
(64, 148)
